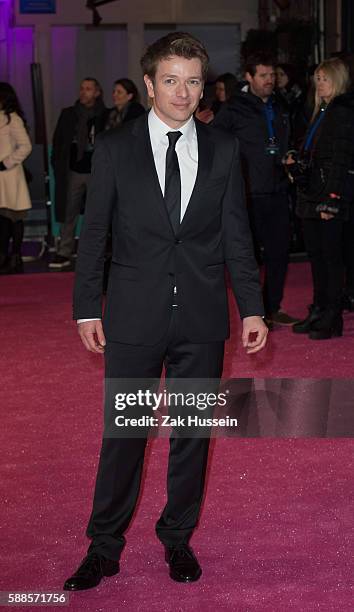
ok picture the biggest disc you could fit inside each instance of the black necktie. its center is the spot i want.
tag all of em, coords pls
(172, 195)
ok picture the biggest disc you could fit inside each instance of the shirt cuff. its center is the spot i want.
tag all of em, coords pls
(86, 320)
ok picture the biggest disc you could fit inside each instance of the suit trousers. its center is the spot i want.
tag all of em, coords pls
(76, 199)
(270, 223)
(121, 459)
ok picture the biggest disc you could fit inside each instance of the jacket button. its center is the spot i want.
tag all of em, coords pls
(178, 241)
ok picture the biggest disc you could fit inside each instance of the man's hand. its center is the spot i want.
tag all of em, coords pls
(289, 160)
(326, 216)
(92, 336)
(254, 334)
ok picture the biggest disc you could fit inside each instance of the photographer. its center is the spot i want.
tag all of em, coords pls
(320, 172)
(261, 125)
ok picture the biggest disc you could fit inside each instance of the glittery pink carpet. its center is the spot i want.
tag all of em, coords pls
(294, 355)
(276, 532)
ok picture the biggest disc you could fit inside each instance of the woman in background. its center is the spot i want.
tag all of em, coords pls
(286, 84)
(324, 194)
(15, 146)
(292, 94)
(225, 88)
(126, 103)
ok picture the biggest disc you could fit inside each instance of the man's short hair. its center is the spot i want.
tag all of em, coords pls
(257, 59)
(181, 44)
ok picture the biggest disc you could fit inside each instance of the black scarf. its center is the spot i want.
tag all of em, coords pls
(84, 115)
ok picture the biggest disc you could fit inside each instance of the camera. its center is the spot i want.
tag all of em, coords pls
(299, 171)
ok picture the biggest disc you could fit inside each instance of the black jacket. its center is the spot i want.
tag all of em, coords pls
(61, 152)
(244, 117)
(332, 156)
(148, 259)
(133, 110)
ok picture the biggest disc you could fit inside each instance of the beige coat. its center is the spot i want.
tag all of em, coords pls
(15, 146)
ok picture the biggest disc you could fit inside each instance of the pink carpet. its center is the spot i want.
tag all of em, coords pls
(294, 355)
(276, 532)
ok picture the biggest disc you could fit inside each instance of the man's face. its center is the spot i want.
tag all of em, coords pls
(176, 89)
(88, 93)
(263, 82)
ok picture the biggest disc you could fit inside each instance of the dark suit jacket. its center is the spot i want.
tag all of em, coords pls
(148, 259)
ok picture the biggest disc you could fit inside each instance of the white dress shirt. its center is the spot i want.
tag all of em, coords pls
(187, 153)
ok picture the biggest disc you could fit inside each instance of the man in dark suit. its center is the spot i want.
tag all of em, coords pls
(172, 190)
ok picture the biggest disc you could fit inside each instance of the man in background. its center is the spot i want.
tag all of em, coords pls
(261, 125)
(73, 144)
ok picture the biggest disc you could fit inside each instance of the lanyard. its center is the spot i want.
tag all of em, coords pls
(312, 132)
(270, 116)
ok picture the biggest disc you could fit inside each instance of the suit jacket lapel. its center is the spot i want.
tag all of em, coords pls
(205, 159)
(145, 163)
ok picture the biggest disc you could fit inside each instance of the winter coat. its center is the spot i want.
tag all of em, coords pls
(331, 163)
(132, 110)
(15, 146)
(244, 116)
(62, 139)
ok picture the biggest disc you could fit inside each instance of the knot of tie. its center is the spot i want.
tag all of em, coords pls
(173, 137)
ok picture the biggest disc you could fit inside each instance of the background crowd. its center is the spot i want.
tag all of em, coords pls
(296, 135)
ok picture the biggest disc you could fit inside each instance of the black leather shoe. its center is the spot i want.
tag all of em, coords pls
(303, 327)
(330, 325)
(281, 318)
(90, 573)
(184, 566)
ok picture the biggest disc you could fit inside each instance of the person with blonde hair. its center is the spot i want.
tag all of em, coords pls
(335, 72)
(321, 172)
